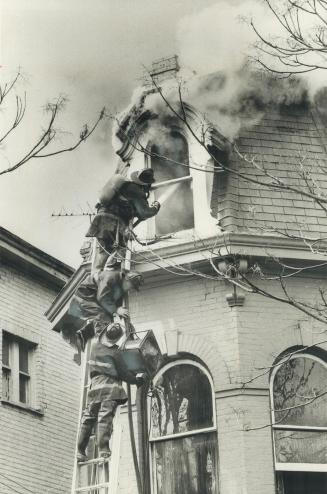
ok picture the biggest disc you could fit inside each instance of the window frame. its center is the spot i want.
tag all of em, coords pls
(157, 185)
(14, 344)
(294, 467)
(207, 430)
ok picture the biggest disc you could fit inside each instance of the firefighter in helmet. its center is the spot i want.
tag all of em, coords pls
(97, 300)
(121, 200)
(106, 391)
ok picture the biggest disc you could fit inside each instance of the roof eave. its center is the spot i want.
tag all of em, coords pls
(20, 252)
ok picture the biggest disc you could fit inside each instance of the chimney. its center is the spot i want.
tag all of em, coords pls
(161, 70)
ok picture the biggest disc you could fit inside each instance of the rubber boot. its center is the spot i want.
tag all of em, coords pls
(83, 440)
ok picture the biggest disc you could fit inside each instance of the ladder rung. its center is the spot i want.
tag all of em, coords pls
(92, 487)
(95, 460)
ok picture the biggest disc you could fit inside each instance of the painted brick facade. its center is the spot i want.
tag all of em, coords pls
(36, 446)
(234, 343)
(191, 317)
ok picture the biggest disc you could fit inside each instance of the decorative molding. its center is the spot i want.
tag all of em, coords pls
(59, 305)
(193, 252)
(201, 348)
(171, 339)
(235, 299)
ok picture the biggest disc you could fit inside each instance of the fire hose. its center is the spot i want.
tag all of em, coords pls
(129, 394)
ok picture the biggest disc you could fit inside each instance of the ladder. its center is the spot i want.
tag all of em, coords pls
(92, 476)
(99, 475)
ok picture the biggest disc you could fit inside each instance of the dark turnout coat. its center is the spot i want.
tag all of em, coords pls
(128, 203)
(93, 298)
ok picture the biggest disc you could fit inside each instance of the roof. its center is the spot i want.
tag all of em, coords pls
(16, 250)
(286, 142)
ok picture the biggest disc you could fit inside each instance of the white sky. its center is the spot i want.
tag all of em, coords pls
(93, 52)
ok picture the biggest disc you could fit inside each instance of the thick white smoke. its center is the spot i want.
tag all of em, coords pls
(220, 45)
(221, 79)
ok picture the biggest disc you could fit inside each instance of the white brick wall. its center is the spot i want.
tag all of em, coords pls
(37, 451)
(232, 342)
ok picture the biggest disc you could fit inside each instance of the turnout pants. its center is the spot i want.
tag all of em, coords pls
(100, 414)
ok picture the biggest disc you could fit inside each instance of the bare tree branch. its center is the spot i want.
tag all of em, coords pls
(40, 148)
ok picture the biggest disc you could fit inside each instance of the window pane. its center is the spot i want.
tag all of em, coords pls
(23, 358)
(177, 212)
(23, 388)
(304, 483)
(186, 465)
(296, 384)
(174, 147)
(181, 401)
(6, 384)
(300, 446)
(5, 351)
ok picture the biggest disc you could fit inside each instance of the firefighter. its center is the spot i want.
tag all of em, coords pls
(98, 299)
(105, 392)
(120, 201)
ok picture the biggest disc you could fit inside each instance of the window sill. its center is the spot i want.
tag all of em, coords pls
(21, 406)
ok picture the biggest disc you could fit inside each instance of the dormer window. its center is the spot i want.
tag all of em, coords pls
(190, 184)
(169, 158)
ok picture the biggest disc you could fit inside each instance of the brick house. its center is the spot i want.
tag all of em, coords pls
(39, 404)
(216, 420)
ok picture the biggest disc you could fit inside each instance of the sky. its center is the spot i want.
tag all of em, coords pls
(94, 53)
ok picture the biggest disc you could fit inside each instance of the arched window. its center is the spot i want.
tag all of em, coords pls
(183, 437)
(173, 187)
(299, 417)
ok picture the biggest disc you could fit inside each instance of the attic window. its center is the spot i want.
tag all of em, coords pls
(173, 187)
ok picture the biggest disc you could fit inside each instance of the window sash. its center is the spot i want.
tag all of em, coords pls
(300, 467)
(151, 223)
(298, 427)
(206, 431)
(153, 464)
(24, 388)
(6, 383)
(276, 369)
(291, 466)
(21, 383)
(182, 434)
(213, 398)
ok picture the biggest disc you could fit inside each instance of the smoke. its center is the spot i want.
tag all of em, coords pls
(220, 41)
(217, 49)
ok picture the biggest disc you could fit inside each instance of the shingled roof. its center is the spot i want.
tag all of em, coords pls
(282, 140)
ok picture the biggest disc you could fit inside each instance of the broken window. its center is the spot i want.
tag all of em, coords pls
(173, 186)
(299, 397)
(183, 437)
(17, 356)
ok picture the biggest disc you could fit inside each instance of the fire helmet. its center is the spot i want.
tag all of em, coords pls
(143, 177)
(135, 277)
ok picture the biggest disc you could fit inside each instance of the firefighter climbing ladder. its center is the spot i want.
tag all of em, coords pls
(92, 476)
(100, 475)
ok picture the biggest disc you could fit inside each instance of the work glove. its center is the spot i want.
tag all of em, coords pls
(128, 234)
(156, 204)
(122, 312)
